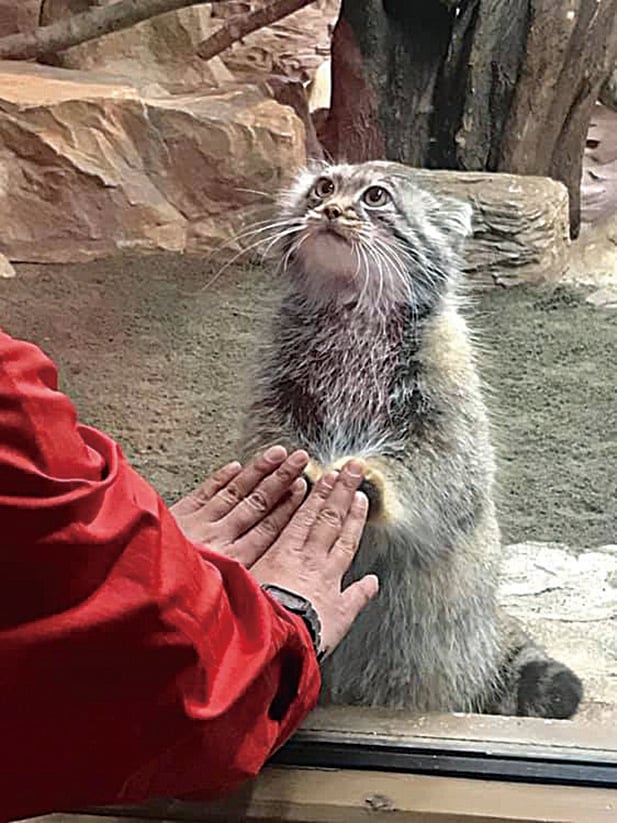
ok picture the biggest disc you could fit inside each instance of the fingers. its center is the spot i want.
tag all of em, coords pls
(316, 549)
(208, 489)
(250, 511)
(354, 599)
(300, 525)
(259, 539)
(332, 518)
(346, 546)
(216, 482)
(246, 481)
(357, 596)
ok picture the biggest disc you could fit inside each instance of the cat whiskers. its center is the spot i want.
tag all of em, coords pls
(355, 250)
(364, 252)
(294, 247)
(249, 231)
(393, 251)
(400, 265)
(280, 194)
(432, 274)
(282, 229)
(389, 265)
(374, 254)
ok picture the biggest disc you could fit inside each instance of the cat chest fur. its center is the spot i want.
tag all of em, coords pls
(342, 379)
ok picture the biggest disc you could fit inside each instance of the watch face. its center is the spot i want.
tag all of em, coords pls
(294, 602)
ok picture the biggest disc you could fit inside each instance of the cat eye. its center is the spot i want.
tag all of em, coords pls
(324, 187)
(376, 196)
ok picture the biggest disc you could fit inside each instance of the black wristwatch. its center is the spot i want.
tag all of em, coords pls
(299, 605)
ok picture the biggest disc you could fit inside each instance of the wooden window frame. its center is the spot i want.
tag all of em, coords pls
(348, 765)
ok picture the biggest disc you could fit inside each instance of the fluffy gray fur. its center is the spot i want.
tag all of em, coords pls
(371, 358)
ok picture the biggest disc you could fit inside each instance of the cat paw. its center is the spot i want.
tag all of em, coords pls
(547, 688)
(311, 474)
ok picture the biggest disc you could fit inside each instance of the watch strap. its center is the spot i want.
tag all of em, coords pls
(297, 604)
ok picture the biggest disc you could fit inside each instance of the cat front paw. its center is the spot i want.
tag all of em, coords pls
(547, 688)
(311, 474)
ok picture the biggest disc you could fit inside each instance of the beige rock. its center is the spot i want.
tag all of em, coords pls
(88, 166)
(567, 599)
(593, 255)
(319, 89)
(599, 177)
(6, 268)
(292, 93)
(521, 225)
(605, 298)
(157, 53)
(295, 46)
(18, 16)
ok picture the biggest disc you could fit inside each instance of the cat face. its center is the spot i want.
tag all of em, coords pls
(369, 233)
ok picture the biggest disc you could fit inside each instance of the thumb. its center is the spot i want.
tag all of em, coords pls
(354, 598)
(357, 596)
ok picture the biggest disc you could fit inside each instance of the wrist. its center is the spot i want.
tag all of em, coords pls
(299, 605)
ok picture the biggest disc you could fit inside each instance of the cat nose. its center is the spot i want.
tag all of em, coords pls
(332, 211)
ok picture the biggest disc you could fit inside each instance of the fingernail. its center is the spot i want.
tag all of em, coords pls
(329, 480)
(298, 486)
(374, 581)
(361, 499)
(299, 459)
(354, 469)
(275, 454)
(234, 466)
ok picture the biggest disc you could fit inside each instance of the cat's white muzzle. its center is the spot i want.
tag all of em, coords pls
(329, 259)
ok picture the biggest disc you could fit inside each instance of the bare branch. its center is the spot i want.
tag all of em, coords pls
(241, 25)
(88, 25)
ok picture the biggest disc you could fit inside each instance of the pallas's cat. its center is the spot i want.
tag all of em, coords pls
(370, 358)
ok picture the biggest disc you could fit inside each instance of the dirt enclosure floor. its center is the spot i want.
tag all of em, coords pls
(155, 353)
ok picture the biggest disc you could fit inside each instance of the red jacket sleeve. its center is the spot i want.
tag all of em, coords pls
(132, 663)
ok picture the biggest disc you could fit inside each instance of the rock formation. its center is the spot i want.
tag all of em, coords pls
(89, 166)
(567, 598)
(157, 54)
(520, 225)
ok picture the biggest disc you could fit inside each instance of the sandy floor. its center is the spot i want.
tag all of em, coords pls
(156, 357)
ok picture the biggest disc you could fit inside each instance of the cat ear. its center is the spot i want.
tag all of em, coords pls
(454, 217)
(316, 166)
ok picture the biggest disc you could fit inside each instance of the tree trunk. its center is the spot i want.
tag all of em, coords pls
(385, 61)
(482, 85)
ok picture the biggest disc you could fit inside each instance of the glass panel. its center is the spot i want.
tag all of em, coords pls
(449, 315)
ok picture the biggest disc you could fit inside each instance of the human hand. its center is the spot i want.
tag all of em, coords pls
(373, 485)
(241, 511)
(316, 549)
